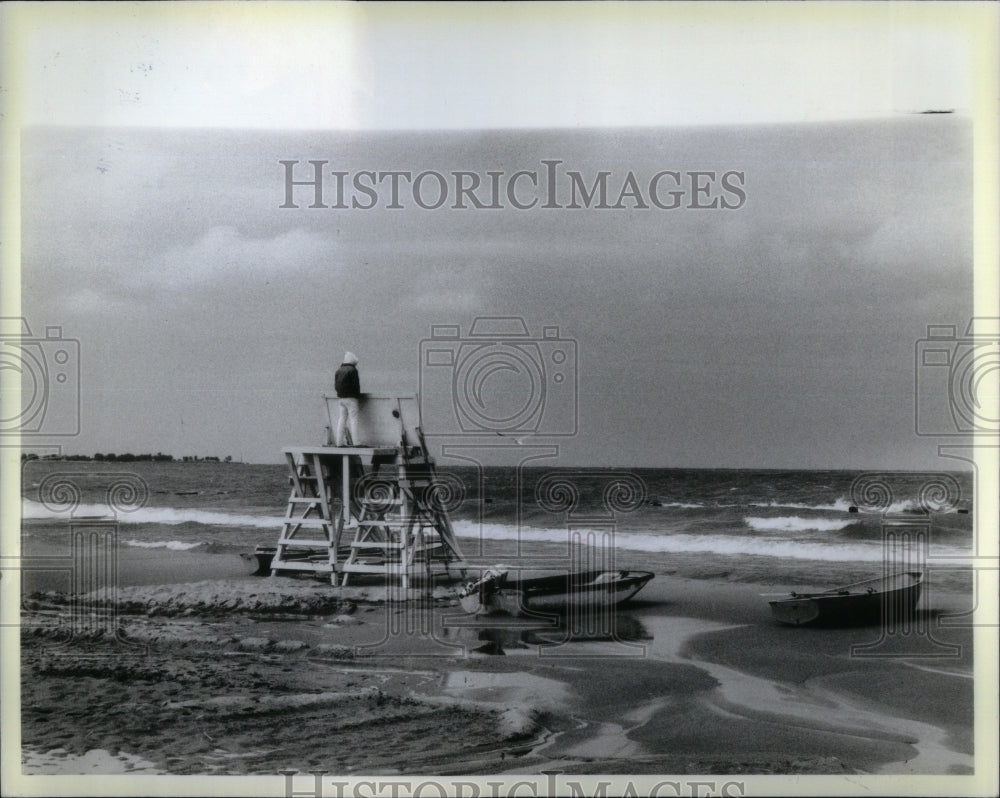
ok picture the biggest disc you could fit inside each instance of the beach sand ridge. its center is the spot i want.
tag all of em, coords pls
(244, 676)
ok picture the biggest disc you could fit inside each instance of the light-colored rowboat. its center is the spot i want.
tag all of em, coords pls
(885, 598)
(519, 592)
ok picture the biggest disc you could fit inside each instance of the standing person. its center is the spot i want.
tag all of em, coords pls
(348, 386)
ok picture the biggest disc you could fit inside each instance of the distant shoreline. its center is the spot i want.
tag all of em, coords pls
(128, 457)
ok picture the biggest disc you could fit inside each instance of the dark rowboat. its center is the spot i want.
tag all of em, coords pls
(519, 592)
(888, 598)
(260, 560)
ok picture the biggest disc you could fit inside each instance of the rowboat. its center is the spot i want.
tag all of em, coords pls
(260, 560)
(521, 592)
(885, 598)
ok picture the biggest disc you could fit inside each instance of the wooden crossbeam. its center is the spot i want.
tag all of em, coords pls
(402, 531)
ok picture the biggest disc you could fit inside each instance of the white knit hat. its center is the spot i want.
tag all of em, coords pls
(351, 358)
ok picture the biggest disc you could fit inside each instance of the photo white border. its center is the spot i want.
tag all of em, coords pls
(975, 23)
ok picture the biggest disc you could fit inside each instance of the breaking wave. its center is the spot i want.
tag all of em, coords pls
(794, 523)
(155, 515)
(174, 545)
(736, 545)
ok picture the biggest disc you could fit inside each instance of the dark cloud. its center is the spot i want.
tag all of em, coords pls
(779, 334)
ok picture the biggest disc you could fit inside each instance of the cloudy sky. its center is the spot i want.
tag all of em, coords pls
(780, 333)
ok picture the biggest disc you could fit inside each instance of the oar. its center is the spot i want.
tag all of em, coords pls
(837, 591)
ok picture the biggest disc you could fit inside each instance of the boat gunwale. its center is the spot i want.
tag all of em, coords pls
(917, 579)
(558, 590)
(845, 608)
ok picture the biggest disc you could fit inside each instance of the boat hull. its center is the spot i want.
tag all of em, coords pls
(891, 598)
(560, 593)
(260, 560)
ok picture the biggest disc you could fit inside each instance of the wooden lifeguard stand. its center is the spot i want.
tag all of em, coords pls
(369, 509)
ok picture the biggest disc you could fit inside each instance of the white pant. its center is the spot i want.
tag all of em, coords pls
(348, 418)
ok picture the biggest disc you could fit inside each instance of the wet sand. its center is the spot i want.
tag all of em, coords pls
(250, 675)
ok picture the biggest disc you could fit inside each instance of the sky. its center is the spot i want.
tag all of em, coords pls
(779, 333)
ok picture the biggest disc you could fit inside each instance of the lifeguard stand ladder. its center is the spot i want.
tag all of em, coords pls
(384, 497)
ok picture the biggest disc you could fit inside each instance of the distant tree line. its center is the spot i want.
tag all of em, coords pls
(127, 457)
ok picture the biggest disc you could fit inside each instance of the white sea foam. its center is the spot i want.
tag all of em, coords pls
(736, 545)
(840, 505)
(906, 506)
(155, 515)
(174, 545)
(795, 523)
(775, 540)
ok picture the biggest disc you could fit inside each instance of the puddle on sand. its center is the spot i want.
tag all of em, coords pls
(746, 695)
(502, 635)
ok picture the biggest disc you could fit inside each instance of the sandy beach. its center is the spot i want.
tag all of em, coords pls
(248, 675)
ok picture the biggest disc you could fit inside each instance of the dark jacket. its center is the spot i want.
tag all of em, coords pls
(346, 382)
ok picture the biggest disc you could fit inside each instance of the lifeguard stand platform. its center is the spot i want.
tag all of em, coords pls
(372, 508)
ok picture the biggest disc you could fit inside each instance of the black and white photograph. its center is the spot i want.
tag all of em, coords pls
(499, 399)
